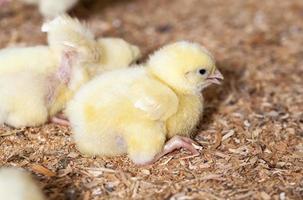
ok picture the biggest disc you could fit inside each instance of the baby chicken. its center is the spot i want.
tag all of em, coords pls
(16, 184)
(103, 54)
(98, 55)
(63, 33)
(136, 110)
(52, 8)
(28, 75)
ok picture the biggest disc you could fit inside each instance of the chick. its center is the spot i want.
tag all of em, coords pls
(52, 8)
(102, 54)
(27, 80)
(140, 108)
(16, 184)
(36, 85)
(64, 33)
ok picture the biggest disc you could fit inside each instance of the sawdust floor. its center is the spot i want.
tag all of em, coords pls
(253, 125)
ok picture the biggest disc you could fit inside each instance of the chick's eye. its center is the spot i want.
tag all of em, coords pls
(202, 71)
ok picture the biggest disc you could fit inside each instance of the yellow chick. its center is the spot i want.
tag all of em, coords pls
(28, 75)
(136, 110)
(16, 184)
(53, 8)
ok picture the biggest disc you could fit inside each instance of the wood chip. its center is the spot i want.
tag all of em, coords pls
(42, 170)
(228, 135)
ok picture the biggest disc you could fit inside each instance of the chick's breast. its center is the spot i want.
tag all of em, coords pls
(189, 113)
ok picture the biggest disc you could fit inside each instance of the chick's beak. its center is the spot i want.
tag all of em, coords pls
(216, 77)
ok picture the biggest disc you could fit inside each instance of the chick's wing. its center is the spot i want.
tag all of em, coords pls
(155, 99)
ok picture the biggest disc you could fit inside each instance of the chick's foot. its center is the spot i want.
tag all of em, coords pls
(60, 119)
(178, 142)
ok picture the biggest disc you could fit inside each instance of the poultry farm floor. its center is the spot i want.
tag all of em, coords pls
(252, 128)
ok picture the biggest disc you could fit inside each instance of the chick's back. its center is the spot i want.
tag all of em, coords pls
(38, 59)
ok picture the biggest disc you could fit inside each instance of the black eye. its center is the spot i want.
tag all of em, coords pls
(202, 71)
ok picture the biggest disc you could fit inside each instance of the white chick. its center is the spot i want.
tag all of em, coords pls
(98, 55)
(136, 110)
(37, 81)
(63, 33)
(16, 184)
(26, 73)
(29, 98)
(103, 54)
(53, 8)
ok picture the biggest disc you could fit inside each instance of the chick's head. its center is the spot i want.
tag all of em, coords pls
(186, 67)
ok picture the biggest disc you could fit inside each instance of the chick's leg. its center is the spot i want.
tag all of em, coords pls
(177, 142)
(145, 139)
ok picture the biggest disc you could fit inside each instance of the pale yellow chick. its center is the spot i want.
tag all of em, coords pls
(99, 55)
(16, 184)
(36, 82)
(29, 98)
(53, 8)
(136, 110)
(64, 33)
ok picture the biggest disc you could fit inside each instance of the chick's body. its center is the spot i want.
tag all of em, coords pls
(135, 110)
(114, 122)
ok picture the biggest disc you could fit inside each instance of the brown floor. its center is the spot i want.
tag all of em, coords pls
(253, 125)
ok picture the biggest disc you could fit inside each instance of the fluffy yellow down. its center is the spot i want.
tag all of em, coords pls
(135, 110)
